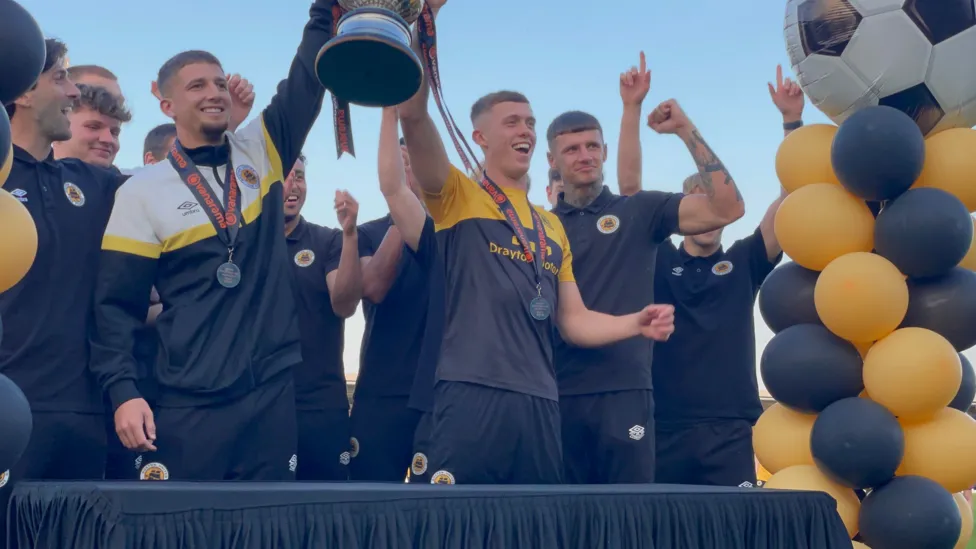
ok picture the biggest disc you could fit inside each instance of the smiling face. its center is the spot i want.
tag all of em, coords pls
(295, 191)
(49, 103)
(579, 157)
(505, 131)
(198, 101)
(94, 138)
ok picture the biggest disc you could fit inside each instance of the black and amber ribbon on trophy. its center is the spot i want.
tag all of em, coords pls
(340, 107)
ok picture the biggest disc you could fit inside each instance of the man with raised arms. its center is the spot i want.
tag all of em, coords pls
(508, 282)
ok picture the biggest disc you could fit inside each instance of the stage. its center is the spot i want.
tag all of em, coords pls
(181, 515)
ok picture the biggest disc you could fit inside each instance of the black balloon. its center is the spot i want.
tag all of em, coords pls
(946, 305)
(967, 387)
(878, 153)
(5, 138)
(15, 423)
(807, 368)
(910, 512)
(24, 52)
(924, 232)
(786, 297)
(857, 442)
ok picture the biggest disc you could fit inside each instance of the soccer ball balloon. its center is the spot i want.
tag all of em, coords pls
(918, 56)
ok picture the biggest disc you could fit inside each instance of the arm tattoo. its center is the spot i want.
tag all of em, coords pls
(708, 163)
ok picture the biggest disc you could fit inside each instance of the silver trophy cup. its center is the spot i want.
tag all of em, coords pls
(369, 61)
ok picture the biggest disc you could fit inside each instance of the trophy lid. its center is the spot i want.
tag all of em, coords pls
(409, 10)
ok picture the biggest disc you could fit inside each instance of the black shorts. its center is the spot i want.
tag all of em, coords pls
(711, 452)
(253, 437)
(483, 435)
(121, 463)
(608, 438)
(419, 470)
(382, 431)
(63, 446)
(324, 450)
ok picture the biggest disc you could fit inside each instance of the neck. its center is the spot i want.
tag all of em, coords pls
(696, 250)
(193, 140)
(503, 180)
(581, 196)
(28, 138)
(291, 224)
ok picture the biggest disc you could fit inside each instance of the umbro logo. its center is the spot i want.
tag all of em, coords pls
(636, 432)
(677, 271)
(188, 208)
(19, 194)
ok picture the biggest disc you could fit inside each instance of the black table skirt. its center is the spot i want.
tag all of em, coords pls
(182, 515)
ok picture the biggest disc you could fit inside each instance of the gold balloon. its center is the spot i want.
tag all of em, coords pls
(820, 222)
(803, 157)
(859, 545)
(808, 477)
(913, 372)
(941, 449)
(950, 164)
(18, 241)
(966, 511)
(8, 164)
(969, 262)
(863, 347)
(861, 297)
(781, 438)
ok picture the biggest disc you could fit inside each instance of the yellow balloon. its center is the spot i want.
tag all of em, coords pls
(803, 157)
(781, 438)
(820, 222)
(861, 297)
(18, 241)
(859, 545)
(762, 474)
(863, 347)
(808, 477)
(969, 262)
(950, 164)
(913, 372)
(941, 449)
(966, 511)
(7, 165)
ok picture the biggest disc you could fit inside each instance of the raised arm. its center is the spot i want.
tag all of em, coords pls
(428, 157)
(406, 210)
(788, 98)
(634, 85)
(296, 104)
(379, 263)
(722, 203)
(127, 269)
(345, 283)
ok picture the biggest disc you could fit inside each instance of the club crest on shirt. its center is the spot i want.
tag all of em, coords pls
(419, 464)
(353, 447)
(248, 177)
(722, 268)
(4, 478)
(304, 258)
(442, 477)
(154, 471)
(74, 194)
(608, 224)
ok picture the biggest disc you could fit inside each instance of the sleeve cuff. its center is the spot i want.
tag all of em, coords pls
(122, 392)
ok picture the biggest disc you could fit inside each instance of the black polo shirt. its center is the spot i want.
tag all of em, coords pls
(614, 241)
(707, 369)
(47, 316)
(320, 380)
(394, 327)
(428, 255)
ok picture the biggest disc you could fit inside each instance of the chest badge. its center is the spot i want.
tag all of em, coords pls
(248, 176)
(722, 268)
(304, 258)
(608, 224)
(677, 271)
(74, 194)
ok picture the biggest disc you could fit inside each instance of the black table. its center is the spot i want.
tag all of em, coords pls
(184, 515)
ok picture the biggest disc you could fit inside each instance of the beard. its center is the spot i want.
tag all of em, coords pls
(214, 133)
(55, 126)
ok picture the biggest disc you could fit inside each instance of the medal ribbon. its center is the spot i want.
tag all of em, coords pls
(341, 121)
(538, 260)
(226, 219)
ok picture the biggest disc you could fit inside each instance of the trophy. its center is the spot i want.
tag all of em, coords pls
(369, 61)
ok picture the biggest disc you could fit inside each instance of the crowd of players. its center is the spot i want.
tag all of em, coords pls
(167, 330)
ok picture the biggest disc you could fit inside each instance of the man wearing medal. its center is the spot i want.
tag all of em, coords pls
(508, 282)
(205, 227)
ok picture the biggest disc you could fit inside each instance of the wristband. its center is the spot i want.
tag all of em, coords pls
(793, 125)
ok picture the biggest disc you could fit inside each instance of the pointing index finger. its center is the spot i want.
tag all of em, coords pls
(779, 76)
(643, 63)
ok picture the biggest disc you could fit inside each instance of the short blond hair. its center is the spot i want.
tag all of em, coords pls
(692, 181)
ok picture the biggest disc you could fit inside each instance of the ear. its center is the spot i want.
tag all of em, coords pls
(605, 149)
(25, 101)
(551, 159)
(166, 106)
(148, 159)
(479, 138)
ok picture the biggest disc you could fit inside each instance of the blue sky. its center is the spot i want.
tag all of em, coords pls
(713, 57)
